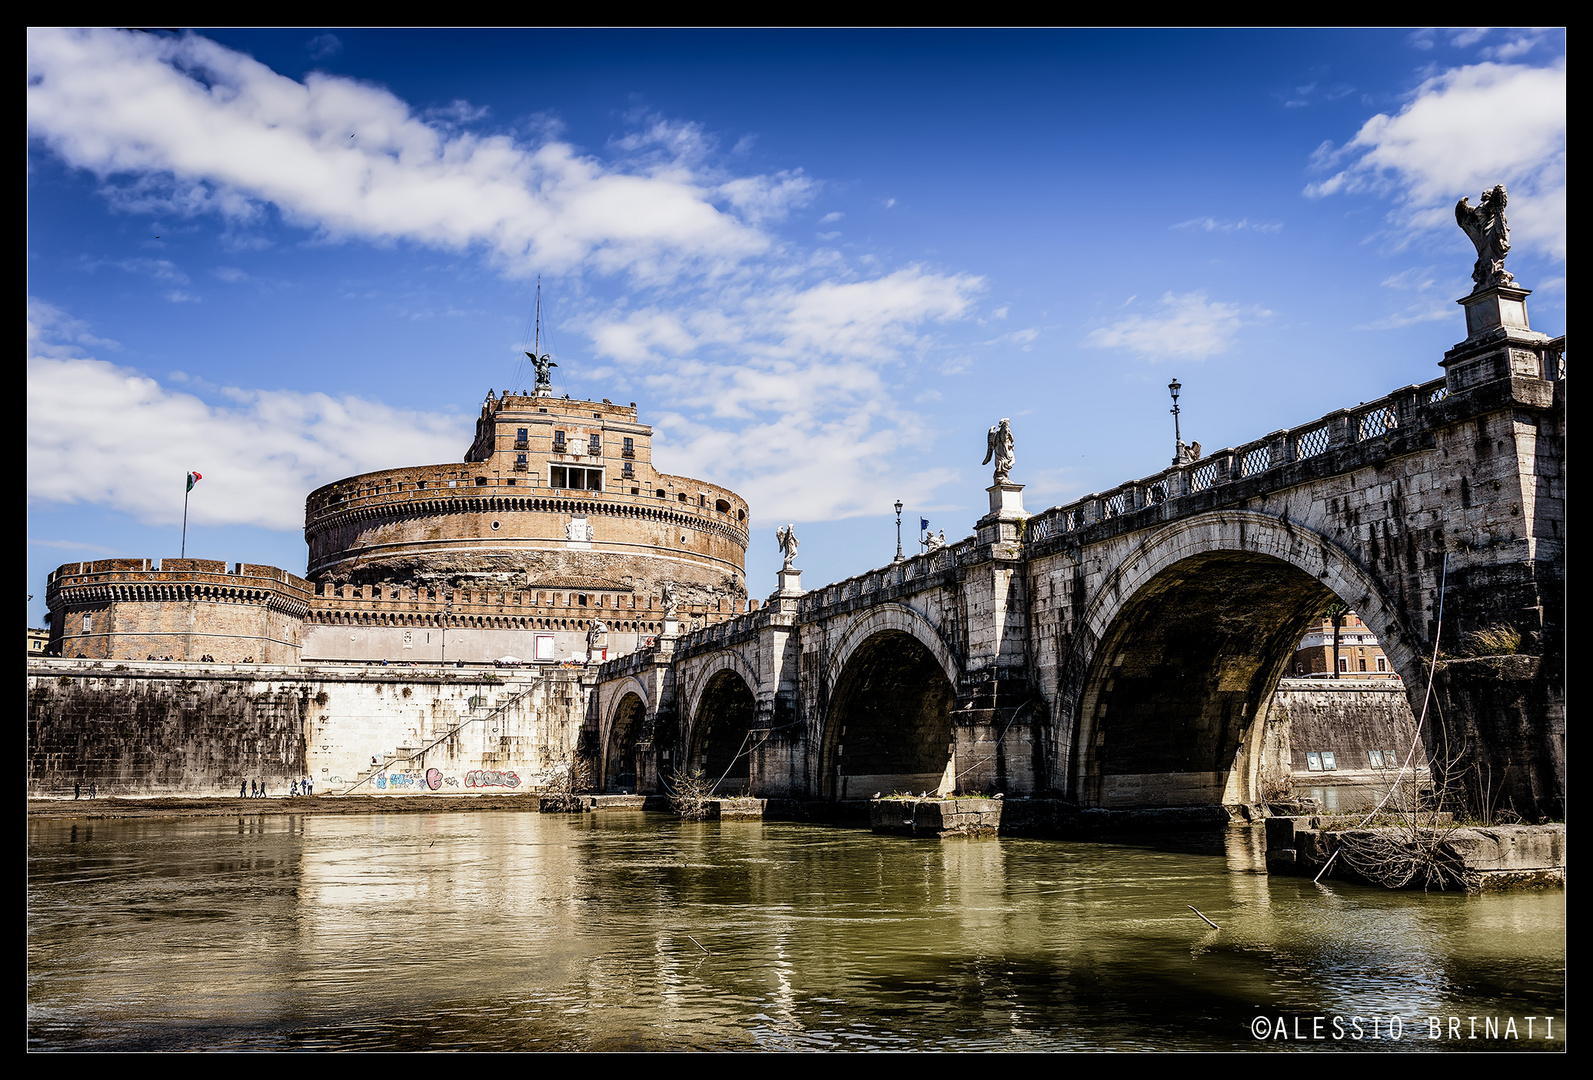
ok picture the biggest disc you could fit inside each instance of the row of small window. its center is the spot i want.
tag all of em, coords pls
(594, 443)
(572, 478)
(1324, 761)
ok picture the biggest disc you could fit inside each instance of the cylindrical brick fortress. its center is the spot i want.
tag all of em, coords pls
(554, 494)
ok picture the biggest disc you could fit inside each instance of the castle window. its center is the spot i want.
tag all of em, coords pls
(558, 442)
(660, 493)
(522, 438)
(722, 506)
(682, 496)
(520, 464)
(629, 470)
(481, 481)
(594, 445)
(575, 479)
(630, 447)
(88, 622)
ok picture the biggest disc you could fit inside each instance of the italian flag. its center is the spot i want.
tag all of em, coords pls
(193, 478)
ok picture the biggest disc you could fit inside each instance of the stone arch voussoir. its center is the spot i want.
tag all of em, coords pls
(890, 617)
(1254, 533)
(702, 678)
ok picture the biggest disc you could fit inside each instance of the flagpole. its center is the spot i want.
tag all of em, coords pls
(187, 487)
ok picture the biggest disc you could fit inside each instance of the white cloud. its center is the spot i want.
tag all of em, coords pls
(260, 456)
(777, 371)
(206, 129)
(782, 391)
(1432, 310)
(323, 45)
(1211, 224)
(52, 332)
(1462, 132)
(1187, 325)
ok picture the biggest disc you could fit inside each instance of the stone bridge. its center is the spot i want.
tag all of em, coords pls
(1121, 651)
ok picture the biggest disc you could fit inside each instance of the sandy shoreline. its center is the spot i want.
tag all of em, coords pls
(232, 806)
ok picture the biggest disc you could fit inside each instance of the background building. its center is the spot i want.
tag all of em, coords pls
(1360, 655)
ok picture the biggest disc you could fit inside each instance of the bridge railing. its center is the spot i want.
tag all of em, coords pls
(1383, 418)
(920, 567)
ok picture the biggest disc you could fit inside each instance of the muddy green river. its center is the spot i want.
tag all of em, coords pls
(632, 931)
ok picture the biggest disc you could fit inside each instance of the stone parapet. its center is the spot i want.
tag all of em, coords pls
(1398, 424)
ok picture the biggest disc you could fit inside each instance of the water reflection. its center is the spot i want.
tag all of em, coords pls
(631, 931)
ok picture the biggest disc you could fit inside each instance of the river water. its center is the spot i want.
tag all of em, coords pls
(632, 931)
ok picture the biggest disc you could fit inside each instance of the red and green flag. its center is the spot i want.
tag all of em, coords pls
(193, 478)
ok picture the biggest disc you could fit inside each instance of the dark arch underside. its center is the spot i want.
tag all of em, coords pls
(1182, 675)
(622, 745)
(720, 732)
(890, 720)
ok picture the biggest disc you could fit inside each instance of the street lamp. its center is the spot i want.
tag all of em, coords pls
(898, 530)
(1178, 439)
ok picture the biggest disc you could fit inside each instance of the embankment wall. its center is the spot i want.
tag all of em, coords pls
(190, 729)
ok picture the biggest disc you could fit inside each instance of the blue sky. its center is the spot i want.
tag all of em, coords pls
(822, 263)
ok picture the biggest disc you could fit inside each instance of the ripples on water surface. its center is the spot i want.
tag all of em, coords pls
(547, 932)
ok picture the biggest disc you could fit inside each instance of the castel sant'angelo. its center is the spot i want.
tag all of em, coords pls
(555, 539)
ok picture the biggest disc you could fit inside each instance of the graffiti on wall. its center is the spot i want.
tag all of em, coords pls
(436, 780)
(485, 778)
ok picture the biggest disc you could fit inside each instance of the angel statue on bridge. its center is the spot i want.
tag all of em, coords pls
(788, 544)
(1489, 232)
(998, 446)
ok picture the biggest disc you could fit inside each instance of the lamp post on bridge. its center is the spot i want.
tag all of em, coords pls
(898, 530)
(1178, 439)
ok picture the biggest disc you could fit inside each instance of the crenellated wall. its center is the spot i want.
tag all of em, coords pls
(178, 608)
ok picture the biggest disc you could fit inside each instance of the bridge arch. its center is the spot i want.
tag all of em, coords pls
(892, 683)
(1181, 647)
(623, 727)
(721, 716)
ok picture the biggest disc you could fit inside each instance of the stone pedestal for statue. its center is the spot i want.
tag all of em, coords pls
(790, 583)
(1500, 305)
(671, 625)
(1006, 501)
(1499, 341)
(1000, 526)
